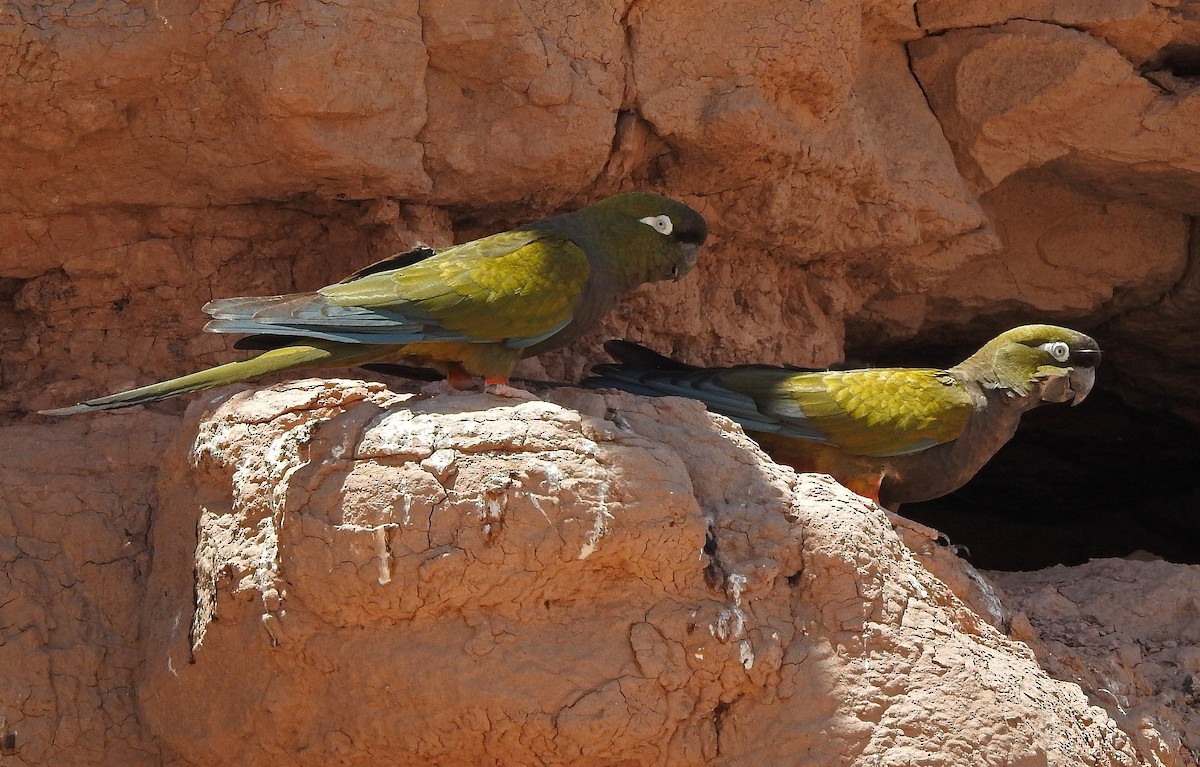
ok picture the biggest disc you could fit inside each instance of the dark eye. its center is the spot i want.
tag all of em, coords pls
(1059, 350)
(660, 224)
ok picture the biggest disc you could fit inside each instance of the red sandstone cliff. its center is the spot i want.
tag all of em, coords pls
(872, 171)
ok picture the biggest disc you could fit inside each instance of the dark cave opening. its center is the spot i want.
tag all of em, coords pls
(1181, 60)
(1099, 480)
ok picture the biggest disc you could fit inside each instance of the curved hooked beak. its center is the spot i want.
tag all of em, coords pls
(1080, 382)
(1072, 387)
(684, 265)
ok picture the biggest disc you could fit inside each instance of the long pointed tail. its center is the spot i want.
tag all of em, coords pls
(317, 354)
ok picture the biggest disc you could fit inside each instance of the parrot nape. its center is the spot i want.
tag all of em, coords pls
(474, 309)
(894, 435)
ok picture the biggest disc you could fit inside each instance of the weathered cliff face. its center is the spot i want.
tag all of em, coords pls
(863, 171)
(879, 179)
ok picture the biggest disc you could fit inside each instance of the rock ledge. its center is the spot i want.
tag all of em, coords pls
(588, 579)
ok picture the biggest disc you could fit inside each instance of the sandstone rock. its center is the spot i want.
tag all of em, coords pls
(1164, 332)
(523, 99)
(588, 579)
(74, 515)
(1024, 94)
(817, 109)
(1128, 632)
(1143, 31)
(941, 15)
(1066, 255)
(830, 184)
(503, 114)
(197, 104)
(874, 172)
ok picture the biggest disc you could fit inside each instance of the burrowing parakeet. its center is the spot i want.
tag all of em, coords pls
(894, 435)
(472, 309)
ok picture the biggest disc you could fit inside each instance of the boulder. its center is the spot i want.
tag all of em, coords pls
(587, 578)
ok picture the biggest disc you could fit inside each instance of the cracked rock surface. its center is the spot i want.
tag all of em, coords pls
(588, 579)
(871, 171)
(875, 173)
(1129, 632)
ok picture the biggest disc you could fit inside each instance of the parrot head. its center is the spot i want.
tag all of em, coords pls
(1054, 364)
(652, 237)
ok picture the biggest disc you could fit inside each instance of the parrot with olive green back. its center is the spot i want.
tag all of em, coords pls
(474, 309)
(894, 435)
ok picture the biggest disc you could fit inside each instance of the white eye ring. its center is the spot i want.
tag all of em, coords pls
(660, 224)
(1057, 349)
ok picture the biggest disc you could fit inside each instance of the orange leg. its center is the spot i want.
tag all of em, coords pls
(866, 486)
(458, 378)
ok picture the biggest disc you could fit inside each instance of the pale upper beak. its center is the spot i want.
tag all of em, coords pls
(690, 251)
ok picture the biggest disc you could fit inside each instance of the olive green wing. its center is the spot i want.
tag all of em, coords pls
(875, 412)
(519, 287)
(879, 412)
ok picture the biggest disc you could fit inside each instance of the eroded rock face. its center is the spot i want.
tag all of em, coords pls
(866, 170)
(1066, 119)
(1024, 94)
(873, 172)
(589, 579)
(75, 509)
(1129, 632)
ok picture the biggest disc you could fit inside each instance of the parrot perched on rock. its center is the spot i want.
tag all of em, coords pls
(894, 435)
(474, 309)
